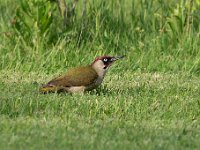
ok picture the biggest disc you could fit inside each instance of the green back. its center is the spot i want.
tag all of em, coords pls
(81, 76)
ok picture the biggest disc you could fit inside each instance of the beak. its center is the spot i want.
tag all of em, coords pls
(117, 57)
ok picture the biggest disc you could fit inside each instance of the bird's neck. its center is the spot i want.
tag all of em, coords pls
(99, 68)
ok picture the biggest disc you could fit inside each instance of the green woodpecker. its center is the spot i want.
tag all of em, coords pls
(82, 78)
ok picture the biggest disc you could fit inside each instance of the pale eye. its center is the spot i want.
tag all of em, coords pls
(105, 59)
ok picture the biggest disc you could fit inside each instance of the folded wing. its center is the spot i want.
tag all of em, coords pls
(82, 76)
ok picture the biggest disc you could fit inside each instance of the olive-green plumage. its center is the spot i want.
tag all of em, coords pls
(81, 76)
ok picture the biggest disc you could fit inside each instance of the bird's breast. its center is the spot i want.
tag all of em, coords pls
(99, 80)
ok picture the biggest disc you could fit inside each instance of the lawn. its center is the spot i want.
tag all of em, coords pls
(148, 100)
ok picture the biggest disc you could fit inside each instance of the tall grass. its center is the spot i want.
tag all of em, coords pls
(155, 35)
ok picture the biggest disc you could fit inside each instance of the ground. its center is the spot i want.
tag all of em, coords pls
(130, 111)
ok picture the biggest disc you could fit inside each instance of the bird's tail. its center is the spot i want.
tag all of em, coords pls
(48, 89)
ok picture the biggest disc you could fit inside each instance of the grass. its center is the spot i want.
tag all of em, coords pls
(136, 110)
(149, 100)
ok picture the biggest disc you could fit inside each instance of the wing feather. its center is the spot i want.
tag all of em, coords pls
(82, 76)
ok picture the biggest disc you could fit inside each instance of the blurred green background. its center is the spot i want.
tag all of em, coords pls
(155, 35)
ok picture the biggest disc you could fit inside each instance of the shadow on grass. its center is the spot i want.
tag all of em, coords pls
(101, 90)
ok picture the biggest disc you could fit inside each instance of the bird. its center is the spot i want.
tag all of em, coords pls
(81, 79)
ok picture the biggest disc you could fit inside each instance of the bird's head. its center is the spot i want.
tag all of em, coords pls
(102, 63)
